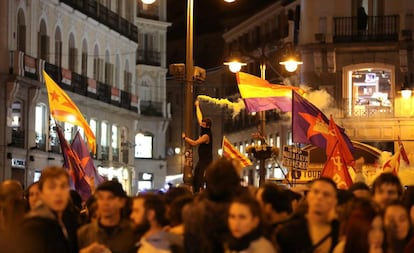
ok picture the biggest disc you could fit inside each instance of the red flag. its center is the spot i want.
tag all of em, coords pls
(393, 164)
(231, 152)
(73, 164)
(402, 151)
(342, 144)
(79, 147)
(335, 168)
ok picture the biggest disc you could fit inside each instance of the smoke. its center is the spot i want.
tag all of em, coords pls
(235, 107)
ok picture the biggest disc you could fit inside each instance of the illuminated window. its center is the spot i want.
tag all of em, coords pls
(40, 126)
(115, 145)
(104, 141)
(143, 146)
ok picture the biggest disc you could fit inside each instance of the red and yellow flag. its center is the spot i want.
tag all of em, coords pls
(231, 152)
(63, 109)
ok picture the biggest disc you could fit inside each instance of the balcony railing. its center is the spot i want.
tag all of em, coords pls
(374, 28)
(376, 109)
(29, 67)
(100, 13)
(148, 57)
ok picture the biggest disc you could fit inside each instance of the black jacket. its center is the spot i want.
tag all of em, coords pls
(41, 232)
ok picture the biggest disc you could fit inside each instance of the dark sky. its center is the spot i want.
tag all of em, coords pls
(210, 15)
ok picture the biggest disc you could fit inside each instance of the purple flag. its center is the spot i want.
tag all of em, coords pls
(73, 164)
(310, 125)
(79, 147)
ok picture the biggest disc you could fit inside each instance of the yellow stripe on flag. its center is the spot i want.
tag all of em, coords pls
(63, 109)
(231, 152)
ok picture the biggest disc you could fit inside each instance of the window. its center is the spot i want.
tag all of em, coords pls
(68, 131)
(104, 141)
(53, 137)
(18, 136)
(84, 59)
(43, 42)
(40, 126)
(72, 53)
(369, 92)
(58, 48)
(115, 143)
(143, 146)
(21, 31)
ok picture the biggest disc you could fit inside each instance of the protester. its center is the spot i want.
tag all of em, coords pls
(33, 195)
(317, 230)
(205, 148)
(386, 189)
(43, 229)
(363, 229)
(360, 190)
(246, 227)
(205, 220)
(111, 232)
(398, 226)
(148, 216)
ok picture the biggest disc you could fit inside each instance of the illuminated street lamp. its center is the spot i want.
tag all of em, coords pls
(148, 1)
(291, 64)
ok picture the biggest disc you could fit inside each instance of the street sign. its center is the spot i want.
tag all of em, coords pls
(295, 158)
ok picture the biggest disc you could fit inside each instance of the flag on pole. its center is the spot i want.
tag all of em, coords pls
(402, 150)
(231, 152)
(311, 126)
(78, 146)
(393, 164)
(336, 168)
(73, 164)
(63, 109)
(260, 95)
(339, 156)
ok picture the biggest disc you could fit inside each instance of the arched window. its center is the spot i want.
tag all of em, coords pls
(115, 143)
(108, 69)
(97, 63)
(41, 122)
(58, 47)
(43, 42)
(127, 78)
(21, 31)
(117, 69)
(73, 53)
(84, 58)
(104, 141)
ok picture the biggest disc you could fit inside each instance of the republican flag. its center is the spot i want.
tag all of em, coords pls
(232, 152)
(393, 164)
(259, 95)
(73, 164)
(402, 150)
(311, 126)
(78, 146)
(336, 168)
(63, 109)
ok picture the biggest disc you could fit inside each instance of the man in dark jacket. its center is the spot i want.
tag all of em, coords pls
(43, 229)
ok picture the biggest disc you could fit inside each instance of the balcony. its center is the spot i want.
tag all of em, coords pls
(147, 57)
(149, 108)
(368, 108)
(29, 67)
(100, 13)
(377, 29)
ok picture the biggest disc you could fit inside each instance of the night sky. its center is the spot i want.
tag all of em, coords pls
(210, 15)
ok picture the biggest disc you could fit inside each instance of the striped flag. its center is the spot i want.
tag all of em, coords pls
(231, 152)
(64, 109)
(260, 95)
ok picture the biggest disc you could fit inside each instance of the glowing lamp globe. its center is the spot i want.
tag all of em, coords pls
(148, 1)
(235, 66)
(291, 65)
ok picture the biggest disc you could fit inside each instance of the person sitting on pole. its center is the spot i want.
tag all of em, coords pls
(205, 148)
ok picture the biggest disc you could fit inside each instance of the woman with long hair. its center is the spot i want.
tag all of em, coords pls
(364, 230)
(246, 227)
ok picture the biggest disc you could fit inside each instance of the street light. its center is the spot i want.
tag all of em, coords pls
(189, 75)
(291, 65)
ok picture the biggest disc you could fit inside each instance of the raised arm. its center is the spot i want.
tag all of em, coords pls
(198, 111)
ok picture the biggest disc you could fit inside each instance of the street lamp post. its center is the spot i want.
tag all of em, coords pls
(188, 117)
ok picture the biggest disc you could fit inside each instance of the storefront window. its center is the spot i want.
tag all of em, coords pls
(115, 145)
(104, 141)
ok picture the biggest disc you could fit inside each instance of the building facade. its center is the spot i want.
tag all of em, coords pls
(91, 49)
(360, 52)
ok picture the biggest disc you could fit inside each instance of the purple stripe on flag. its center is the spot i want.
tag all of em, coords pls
(284, 104)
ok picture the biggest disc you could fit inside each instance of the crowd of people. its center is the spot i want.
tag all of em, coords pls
(223, 217)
